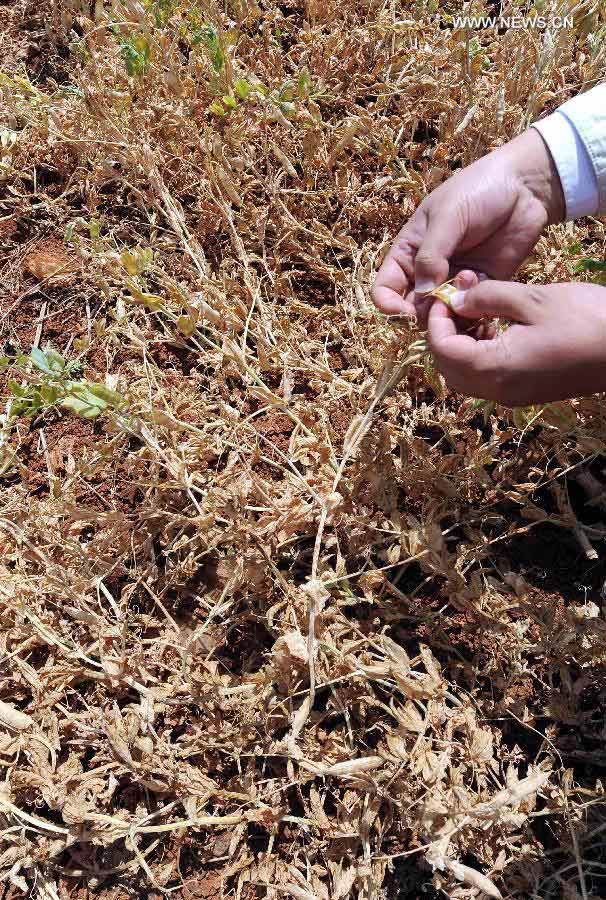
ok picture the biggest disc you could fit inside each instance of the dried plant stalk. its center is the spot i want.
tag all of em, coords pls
(259, 609)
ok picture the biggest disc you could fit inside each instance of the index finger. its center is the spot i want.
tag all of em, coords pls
(390, 289)
(394, 280)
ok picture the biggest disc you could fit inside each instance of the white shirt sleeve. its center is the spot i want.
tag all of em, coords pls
(576, 137)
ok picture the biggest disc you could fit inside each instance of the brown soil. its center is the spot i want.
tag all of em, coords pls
(49, 262)
(340, 418)
(67, 439)
(203, 887)
(169, 356)
(277, 428)
(14, 40)
(65, 316)
(70, 443)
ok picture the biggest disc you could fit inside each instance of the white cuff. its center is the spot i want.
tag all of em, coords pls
(574, 164)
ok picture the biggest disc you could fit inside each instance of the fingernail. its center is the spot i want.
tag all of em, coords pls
(457, 301)
(424, 286)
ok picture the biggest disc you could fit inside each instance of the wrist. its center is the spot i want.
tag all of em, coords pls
(531, 162)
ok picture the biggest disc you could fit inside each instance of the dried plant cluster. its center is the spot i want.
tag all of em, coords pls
(280, 617)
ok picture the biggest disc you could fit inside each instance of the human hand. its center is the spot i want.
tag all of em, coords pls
(486, 218)
(556, 349)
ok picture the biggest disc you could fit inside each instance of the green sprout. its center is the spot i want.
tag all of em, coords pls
(208, 36)
(57, 387)
(162, 10)
(135, 52)
(596, 267)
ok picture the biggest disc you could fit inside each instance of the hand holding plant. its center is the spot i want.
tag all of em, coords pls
(555, 349)
(487, 218)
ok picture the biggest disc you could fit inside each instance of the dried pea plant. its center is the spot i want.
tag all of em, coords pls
(280, 616)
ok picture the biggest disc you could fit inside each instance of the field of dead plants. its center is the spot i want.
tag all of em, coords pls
(279, 615)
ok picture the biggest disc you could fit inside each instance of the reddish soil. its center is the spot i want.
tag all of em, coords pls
(98, 361)
(205, 887)
(341, 417)
(48, 261)
(277, 429)
(313, 291)
(13, 39)
(65, 317)
(65, 437)
(70, 441)
(336, 360)
(181, 359)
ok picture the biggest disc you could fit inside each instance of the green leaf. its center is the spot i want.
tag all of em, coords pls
(51, 362)
(136, 261)
(112, 398)
(70, 90)
(218, 59)
(209, 36)
(139, 297)
(94, 229)
(217, 108)
(230, 102)
(27, 399)
(16, 389)
(487, 407)
(135, 51)
(523, 415)
(82, 401)
(304, 83)
(71, 228)
(186, 325)
(590, 265)
(574, 248)
(50, 393)
(38, 358)
(55, 361)
(287, 91)
(24, 408)
(129, 261)
(242, 88)
(163, 10)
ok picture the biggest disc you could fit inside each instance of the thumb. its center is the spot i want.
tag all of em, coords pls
(444, 233)
(500, 299)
